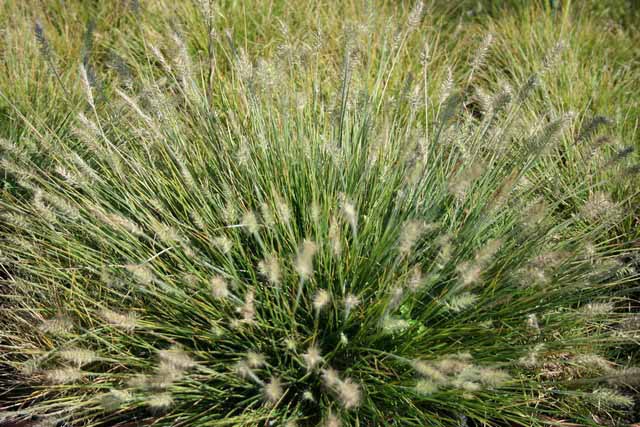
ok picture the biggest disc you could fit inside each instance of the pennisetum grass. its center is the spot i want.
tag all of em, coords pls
(219, 252)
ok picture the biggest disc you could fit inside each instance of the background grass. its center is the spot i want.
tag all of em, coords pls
(598, 73)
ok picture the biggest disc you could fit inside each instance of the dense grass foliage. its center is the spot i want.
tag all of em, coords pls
(350, 226)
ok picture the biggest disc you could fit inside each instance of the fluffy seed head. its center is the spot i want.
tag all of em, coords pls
(428, 371)
(177, 358)
(453, 365)
(165, 232)
(312, 357)
(391, 324)
(532, 322)
(410, 233)
(350, 302)
(250, 221)
(114, 399)
(349, 393)
(415, 281)
(334, 237)
(122, 395)
(481, 52)
(141, 273)
(532, 358)
(138, 381)
(282, 208)
(290, 344)
(230, 212)
(248, 309)
(64, 375)
(491, 377)
(461, 302)
(118, 221)
(590, 250)
(223, 243)
(595, 361)
(84, 74)
(552, 56)
(343, 339)
(330, 377)
(332, 420)
(321, 299)
(125, 321)
(469, 386)
(304, 259)
(469, 272)
(485, 254)
(219, 287)
(270, 268)
(349, 213)
(273, 390)
(78, 356)
(594, 309)
(57, 325)
(255, 360)
(426, 387)
(166, 374)
(160, 402)
(608, 398)
(413, 20)
(44, 209)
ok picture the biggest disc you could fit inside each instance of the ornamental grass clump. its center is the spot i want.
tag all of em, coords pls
(311, 249)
